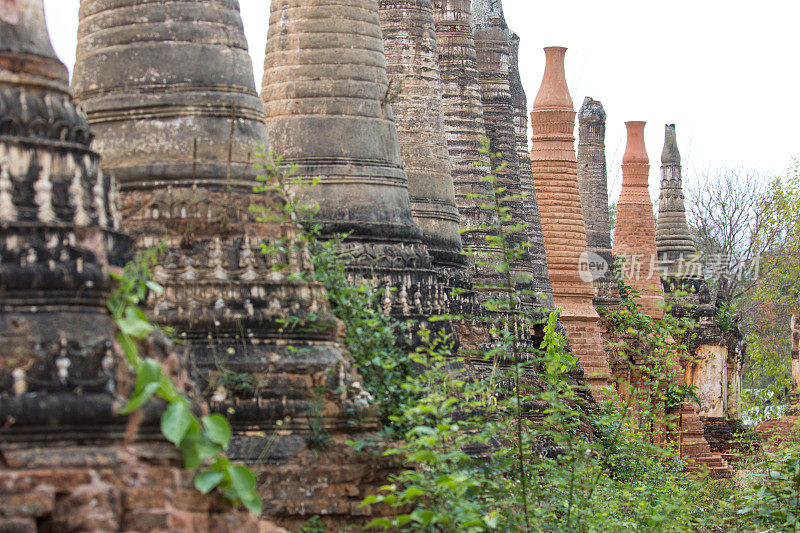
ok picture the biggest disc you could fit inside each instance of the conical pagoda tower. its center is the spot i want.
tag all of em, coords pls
(673, 239)
(593, 185)
(412, 61)
(178, 122)
(463, 123)
(58, 366)
(634, 232)
(493, 47)
(70, 462)
(519, 102)
(328, 111)
(712, 369)
(555, 174)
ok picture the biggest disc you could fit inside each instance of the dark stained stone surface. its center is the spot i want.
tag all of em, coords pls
(493, 51)
(412, 57)
(327, 100)
(673, 238)
(169, 92)
(58, 365)
(593, 184)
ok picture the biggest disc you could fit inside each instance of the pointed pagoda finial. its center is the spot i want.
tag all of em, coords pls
(675, 245)
(670, 155)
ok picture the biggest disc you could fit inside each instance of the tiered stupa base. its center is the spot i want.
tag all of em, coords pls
(586, 342)
(695, 449)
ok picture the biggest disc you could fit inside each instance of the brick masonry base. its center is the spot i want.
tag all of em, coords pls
(586, 341)
(142, 487)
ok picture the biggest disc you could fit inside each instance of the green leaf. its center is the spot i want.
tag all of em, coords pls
(205, 482)
(369, 500)
(412, 492)
(175, 421)
(385, 523)
(243, 483)
(242, 479)
(148, 381)
(139, 398)
(252, 501)
(199, 448)
(135, 323)
(129, 348)
(218, 429)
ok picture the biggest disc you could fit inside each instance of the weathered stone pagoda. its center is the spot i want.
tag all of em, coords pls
(530, 206)
(715, 368)
(68, 461)
(593, 185)
(412, 61)
(463, 123)
(328, 111)
(493, 52)
(554, 166)
(169, 92)
(59, 237)
(634, 232)
(676, 249)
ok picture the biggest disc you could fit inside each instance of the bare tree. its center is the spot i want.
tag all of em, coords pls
(729, 215)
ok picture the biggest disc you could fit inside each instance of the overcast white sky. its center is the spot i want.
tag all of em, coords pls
(725, 71)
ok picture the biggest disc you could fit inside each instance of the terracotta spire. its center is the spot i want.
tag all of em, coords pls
(327, 100)
(177, 120)
(674, 241)
(555, 175)
(58, 366)
(593, 184)
(412, 60)
(493, 46)
(634, 232)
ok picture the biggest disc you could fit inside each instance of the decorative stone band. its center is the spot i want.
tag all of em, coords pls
(49, 115)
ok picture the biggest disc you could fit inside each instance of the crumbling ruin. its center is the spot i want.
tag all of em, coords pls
(493, 53)
(634, 232)
(328, 111)
(593, 185)
(412, 59)
(387, 108)
(179, 129)
(68, 460)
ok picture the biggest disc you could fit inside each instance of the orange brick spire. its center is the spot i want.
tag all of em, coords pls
(635, 231)
(555, 175)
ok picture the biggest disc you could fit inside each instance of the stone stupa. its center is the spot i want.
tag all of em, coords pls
(674, 242)
(493, 47)
(593, 185)
(464, 125)
(58, 377)
(412, 60)
(68, 460)
(173, 105)
(530, 205)
(328, 111)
